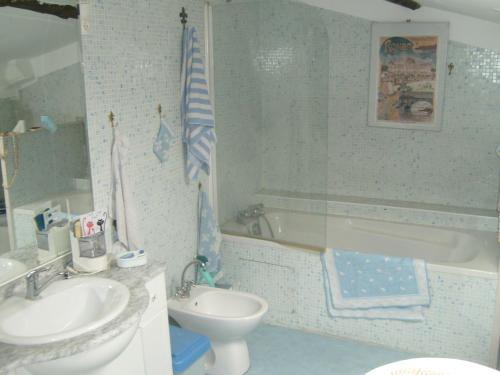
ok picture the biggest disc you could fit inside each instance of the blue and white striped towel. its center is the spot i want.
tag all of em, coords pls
(359, 285)
(197, 118)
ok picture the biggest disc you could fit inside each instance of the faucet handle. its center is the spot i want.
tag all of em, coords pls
(37, 271)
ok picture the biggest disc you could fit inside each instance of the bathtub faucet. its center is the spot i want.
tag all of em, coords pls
(252, 212)
(250, 218)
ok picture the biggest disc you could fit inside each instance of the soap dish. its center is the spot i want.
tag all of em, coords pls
(132, 259)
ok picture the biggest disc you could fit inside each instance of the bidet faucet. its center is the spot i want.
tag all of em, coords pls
(184, 291)
(33, 289)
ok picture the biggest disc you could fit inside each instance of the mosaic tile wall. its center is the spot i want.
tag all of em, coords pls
(48, 163)
(58, 95)
(8, 113)
(131, 62)
(455, 167)
(238, 111)
(458, 324)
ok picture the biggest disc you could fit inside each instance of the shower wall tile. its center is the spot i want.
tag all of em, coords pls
(310, 135)
(8, 113)
(237, 108)
(458, 323)
(456, 166)
(48, 163)
(132, 62)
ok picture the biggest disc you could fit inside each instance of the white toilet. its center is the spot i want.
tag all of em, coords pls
(226, 317)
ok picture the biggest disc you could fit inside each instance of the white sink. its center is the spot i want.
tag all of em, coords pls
(66, 309)
(10, 268)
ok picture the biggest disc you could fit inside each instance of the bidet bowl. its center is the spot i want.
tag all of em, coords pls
(226, 317)
(217, 313)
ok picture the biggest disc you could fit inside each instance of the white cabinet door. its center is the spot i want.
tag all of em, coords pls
(156, 345)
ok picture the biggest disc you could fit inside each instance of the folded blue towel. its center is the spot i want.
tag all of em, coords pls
(374, 286)
(209, 237)
(197, 117)
(163, 141)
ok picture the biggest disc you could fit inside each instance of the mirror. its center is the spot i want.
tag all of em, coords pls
(43, 140)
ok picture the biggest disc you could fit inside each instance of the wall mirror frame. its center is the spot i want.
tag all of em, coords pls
(43, 135)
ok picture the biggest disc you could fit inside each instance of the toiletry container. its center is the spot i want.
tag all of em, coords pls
(54, 241)
(89, 253)
(188, 349)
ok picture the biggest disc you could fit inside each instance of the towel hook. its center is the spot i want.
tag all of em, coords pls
(111, 118)
(183, 15)
(451, 66)
(159, 109)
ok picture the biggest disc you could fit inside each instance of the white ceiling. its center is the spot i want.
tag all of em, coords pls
(26, 34)
(483, 9)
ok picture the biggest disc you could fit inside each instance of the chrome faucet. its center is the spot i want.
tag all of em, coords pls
(184, 291)
(33, 287)
(251, 212)
(250, 217)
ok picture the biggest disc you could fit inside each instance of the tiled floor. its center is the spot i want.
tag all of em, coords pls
(281, 351)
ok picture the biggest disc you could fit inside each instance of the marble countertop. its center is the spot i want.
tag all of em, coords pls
(14, 356)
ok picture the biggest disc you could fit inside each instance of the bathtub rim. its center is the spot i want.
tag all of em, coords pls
(484, 265)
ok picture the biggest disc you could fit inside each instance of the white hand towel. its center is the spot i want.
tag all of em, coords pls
(122, 200)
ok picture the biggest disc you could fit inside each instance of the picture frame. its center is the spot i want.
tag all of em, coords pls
(407, 75)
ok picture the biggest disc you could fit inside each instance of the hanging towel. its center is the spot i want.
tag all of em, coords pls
(197, 118)
(359, 285)
(209, 236)
(48, 124)
(163, 141)
(122, 200)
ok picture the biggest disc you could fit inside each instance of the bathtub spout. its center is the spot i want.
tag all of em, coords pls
(250, 217)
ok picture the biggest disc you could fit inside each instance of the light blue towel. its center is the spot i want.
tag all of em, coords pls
(209, 237)
(197, 117)
(163, 141)
(374, 286)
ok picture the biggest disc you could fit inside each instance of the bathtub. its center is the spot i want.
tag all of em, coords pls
(468, 250)
(462, 271)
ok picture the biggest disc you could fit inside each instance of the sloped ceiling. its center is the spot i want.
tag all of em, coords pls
(26, 34)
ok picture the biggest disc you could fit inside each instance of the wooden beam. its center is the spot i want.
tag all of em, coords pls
(61, 11)
(411, 4)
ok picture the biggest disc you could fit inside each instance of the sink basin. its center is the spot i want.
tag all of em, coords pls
(10, 268)
(67, 308)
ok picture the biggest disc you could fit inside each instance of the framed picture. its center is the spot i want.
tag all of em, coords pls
(407, 76)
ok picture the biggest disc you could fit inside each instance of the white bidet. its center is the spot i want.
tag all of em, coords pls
(226, 317)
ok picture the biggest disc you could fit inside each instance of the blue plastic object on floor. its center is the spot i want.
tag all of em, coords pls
(187, 347)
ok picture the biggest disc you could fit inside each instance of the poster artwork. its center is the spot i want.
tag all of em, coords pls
(407, 79)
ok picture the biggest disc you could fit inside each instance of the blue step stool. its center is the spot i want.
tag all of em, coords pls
(188, 349)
